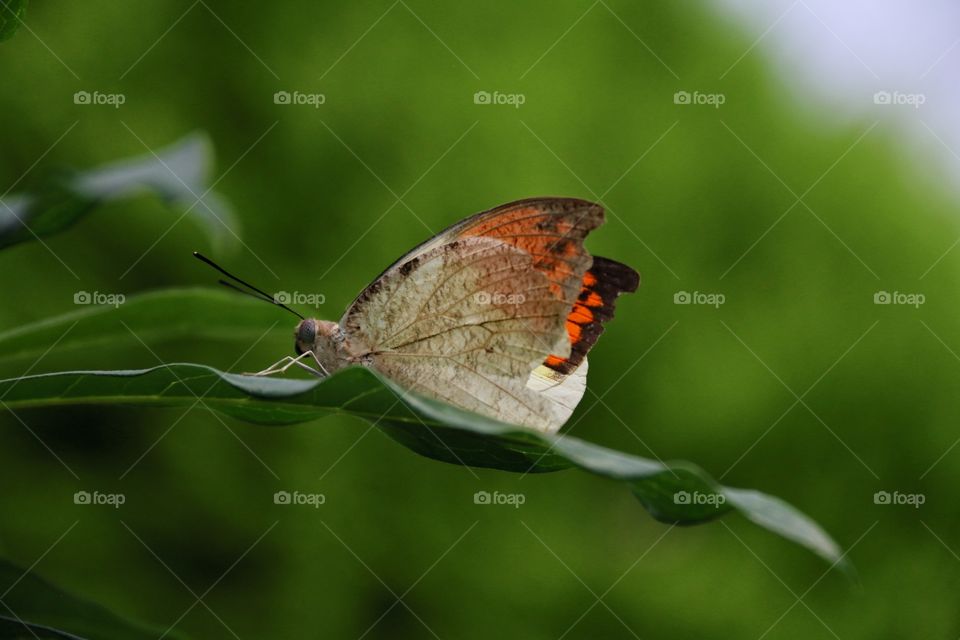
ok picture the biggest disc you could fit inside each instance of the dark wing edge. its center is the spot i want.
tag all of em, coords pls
(602, 283)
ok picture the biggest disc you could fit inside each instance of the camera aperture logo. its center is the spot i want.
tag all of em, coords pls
(297, 498)
(300, 298)
(699, 498)
(714, 100)
(299, 98)
(96, 98)
(512, 99)
(512, 499)
(899, 298)
(96, 498)
(699, 298)
(98, 298)
(896, 498)
(899, 98)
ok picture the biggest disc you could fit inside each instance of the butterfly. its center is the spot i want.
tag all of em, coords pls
(495, 314)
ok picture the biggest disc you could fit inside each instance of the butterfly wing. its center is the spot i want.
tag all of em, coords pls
(601, 285)
(551, 229)
(465, 322)
(466, 316)
(563, 378)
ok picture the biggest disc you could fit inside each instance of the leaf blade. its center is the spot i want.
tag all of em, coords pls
(433, 429)
(166, 314)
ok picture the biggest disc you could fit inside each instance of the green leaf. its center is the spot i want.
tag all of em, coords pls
(33, 608)
(198, 314)
(179, 175)
(679, 492)
(11, 15)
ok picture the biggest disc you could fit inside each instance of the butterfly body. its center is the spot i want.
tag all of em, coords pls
(494, 314)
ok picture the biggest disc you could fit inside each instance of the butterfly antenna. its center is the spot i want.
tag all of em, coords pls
(256, 296)
(263, 295)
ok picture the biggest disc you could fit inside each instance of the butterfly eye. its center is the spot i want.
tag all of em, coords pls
(306, 335)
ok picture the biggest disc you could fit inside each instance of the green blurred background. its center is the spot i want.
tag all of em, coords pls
(688, 188)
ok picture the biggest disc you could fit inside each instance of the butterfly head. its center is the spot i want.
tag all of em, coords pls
(322, 337)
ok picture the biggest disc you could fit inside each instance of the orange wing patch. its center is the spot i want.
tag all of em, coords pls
(599, 289)
(550, 230)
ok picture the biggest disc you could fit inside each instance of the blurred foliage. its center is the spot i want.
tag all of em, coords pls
(329, 195)
(29, 598)
(12, 13)
(179, 175)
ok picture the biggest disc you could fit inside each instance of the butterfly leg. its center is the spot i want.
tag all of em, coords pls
(277, 367)
(282, 365)
(323, 370)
